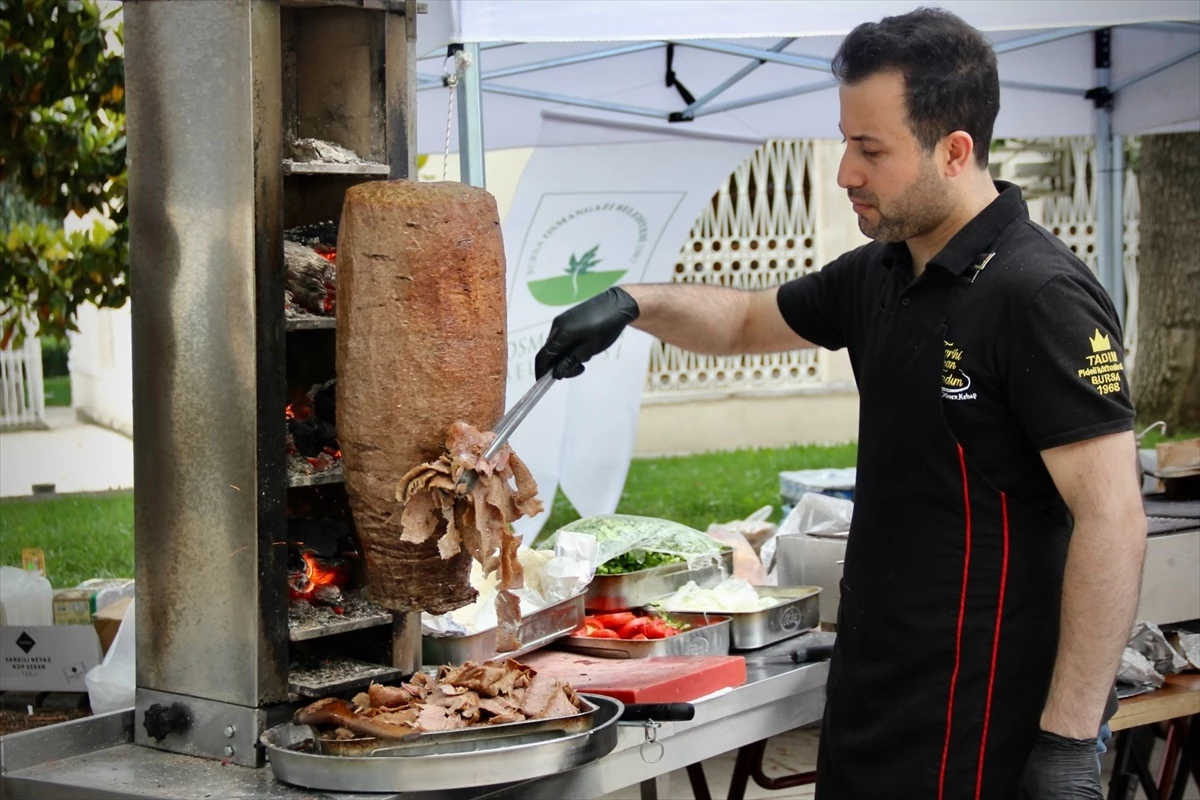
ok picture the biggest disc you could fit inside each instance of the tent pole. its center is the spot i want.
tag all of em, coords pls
(1117, 237)
(470, 121)
(1102, 179)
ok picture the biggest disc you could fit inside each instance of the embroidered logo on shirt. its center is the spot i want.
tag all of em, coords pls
(956, 384)
(1104, 366)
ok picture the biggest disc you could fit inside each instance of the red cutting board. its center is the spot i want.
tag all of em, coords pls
(674, 679)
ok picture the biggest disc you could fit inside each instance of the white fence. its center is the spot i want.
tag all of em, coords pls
(757, 232)
(22, 392)
(761, 230)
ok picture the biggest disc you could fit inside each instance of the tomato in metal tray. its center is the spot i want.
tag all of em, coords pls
(629, 626)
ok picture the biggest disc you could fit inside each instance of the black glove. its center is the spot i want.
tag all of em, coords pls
(1061, 769)
(583, 331)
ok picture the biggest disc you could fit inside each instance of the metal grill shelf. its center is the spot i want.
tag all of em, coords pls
(317, 630)
(336, 675)
(311, 323)
(321, 168)
(331, 475)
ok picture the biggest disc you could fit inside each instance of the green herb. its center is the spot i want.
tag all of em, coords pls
(635, 561)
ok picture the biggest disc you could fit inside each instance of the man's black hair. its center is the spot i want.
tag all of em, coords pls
(949, 68)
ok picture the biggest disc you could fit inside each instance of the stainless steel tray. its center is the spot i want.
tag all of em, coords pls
(635, 589)
(710, 637)
(450, 765)
(537, 630)
(435, 741)
(799, 610)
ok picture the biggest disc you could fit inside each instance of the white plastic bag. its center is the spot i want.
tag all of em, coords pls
(814, 515)
(26, 598)
(111, 684)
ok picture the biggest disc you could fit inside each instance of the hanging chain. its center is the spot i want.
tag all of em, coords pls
(462, 60)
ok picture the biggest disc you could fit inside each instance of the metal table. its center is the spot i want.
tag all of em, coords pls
(95, 757)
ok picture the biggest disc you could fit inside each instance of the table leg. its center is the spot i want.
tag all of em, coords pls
(1188, 759)
(699, 783)
(1118, 784)
(743, 767)
(656, 788)
(1141, 759)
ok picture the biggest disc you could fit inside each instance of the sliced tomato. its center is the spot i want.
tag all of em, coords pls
(604, 633)
(614, 621)
(633, 627)
(656, 629)
(640, 637)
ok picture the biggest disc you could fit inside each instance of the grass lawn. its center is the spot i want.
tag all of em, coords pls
(92, 536)
(58, 390)
(710, 487)
(86, 536)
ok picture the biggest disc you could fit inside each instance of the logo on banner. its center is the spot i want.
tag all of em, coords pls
(586, 250)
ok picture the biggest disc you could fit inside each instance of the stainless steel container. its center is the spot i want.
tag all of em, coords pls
(813, 561)
(798, 611)
(709, 637)
(537, 630)
(636, 589)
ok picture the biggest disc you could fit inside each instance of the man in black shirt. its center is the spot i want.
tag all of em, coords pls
(995, 554)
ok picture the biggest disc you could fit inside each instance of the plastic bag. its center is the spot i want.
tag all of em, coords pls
(111, 683)
(817, 514)
(550, 576)
(814, 515)
(26, 598)
(627, 543)
(746, 563)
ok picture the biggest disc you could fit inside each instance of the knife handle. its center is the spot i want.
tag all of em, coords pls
(815, 652)
(659, 712)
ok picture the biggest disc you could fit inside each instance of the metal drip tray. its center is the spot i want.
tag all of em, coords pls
(465, 764)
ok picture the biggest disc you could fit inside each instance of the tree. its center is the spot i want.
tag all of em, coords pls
(1167, 372)
(62, 150)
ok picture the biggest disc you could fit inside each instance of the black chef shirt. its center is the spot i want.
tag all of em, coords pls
(1033, 356)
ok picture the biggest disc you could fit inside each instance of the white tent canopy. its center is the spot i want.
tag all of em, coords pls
(606, 61)
(759, 69)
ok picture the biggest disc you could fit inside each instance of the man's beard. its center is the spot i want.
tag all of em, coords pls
(919, 210)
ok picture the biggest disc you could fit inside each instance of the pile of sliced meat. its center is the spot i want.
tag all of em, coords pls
(493, 693)
(477, 521)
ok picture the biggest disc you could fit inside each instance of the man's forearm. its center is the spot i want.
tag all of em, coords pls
(696, 317)
(1101, 585)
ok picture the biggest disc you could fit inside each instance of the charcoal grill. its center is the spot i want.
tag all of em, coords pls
(216, 92)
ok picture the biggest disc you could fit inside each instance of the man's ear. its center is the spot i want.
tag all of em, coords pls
(958, 152)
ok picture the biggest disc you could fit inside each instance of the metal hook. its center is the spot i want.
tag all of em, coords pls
(650, 727)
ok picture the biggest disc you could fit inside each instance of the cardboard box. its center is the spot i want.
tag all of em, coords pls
(108, 621)
(47, 658)
(77, 606)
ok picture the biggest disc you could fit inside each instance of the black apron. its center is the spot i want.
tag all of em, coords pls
(950, 597)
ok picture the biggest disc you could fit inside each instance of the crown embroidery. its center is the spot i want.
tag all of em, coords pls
(1100, 342)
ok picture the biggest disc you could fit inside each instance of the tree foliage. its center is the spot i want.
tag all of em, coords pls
(62, 150)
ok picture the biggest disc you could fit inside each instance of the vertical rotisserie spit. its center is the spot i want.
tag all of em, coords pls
(421, 346)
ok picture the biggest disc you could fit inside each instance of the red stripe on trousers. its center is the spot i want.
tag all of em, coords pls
(962, 608)
(987, 712)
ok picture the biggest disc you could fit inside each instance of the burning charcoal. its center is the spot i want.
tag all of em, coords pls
(324, 400)
(306, 276)
(320, 233)
(312, 436)
(329, 595)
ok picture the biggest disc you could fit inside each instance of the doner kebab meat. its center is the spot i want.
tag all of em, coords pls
(493, 693)
(422, 360)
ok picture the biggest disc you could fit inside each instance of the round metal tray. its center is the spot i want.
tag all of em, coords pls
(447, 766)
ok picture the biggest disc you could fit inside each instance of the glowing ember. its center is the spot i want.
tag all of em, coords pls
(318, 582)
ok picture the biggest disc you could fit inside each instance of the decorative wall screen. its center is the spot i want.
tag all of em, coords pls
(757, 232)
(1071, 216)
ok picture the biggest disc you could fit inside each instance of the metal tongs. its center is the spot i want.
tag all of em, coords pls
(505, 427)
